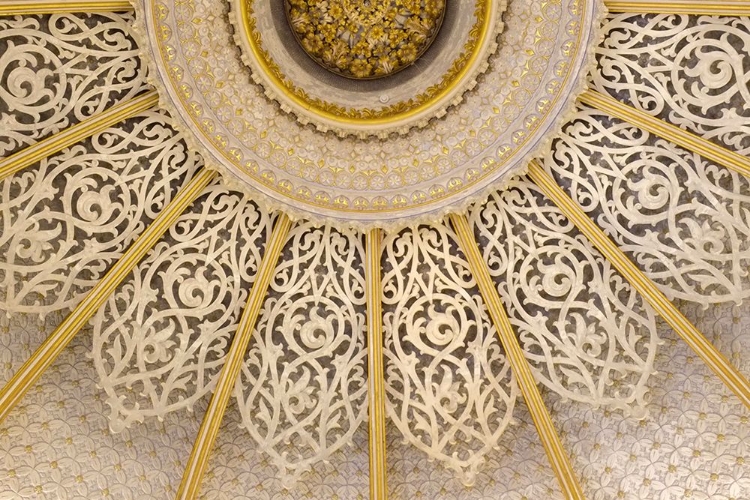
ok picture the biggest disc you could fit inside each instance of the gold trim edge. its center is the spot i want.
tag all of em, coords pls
(715, 360)
(695, 7)
(376, 373)
(67, 7)
(672, 133)
(334, 114)
(53, 345)
(202, 446)
(76, 133)
(559, 461)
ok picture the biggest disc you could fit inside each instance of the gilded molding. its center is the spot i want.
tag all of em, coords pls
(376, 374)
(676, 135)
(29, 7)
(204, 442)
(260, 156)
(70, 136)
(715, 360)
(400, 116)
(692, 7)
(550, 440)
(51, 348)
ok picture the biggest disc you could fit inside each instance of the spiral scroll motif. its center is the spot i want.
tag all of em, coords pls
(449, 386)
(66, 220)
(57, 70)
(589, 336)
(691, 71)
(160, 340)
(302, 392)
(683, 219)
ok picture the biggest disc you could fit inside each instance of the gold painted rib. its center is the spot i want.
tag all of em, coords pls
(68, 137)
(691, 142)
(694, 7)
(520, 366)
(684, 328)
(375, 375)
(204, 442)
(28, 7)
(46, 354)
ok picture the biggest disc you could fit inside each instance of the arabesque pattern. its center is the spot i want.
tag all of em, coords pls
(57, 70)
(160, 341)
(302, 392)
(65, 221)
(449, 386)
(691, 71)
(301, 397)
(683, 219)
(587, 333)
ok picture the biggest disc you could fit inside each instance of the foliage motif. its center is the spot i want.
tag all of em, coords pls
(302, 392)
(449, 386)
(159, 342)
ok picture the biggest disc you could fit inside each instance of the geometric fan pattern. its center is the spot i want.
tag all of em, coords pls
(117, 413)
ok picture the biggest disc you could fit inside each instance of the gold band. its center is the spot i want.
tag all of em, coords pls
(694, 7)
(376, 375)
(70, 136)
(682, 138)
(520, 366)
(51, 348)
(28, 7)
(204, 442)
(684, 328)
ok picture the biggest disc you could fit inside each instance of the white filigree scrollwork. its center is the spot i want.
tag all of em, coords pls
(160, 340)
(587, 333)
(302, 391)
(684, 220)
(449, 386)
(688, 70)
(57, 70)
(64, 221)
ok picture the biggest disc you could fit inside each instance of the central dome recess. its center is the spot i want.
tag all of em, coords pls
(365, 39)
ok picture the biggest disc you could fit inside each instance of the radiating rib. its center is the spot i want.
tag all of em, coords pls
(520, 366)
(694, 7)
(46, 354)
(204, 442)
(687, 140)
(376, 374)
(70, 136)
(28, 7)
(684, 328)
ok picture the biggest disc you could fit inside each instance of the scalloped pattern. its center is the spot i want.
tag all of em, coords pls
(423, 176)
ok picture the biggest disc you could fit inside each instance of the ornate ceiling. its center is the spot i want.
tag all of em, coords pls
(182, 320)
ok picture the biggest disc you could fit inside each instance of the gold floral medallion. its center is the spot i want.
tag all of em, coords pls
(365, 39)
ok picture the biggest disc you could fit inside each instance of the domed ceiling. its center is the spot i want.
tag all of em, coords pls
(356, 249)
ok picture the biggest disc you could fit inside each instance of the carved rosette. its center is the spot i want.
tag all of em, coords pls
(470, 142)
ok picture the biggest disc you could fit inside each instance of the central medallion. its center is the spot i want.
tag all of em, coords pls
(458, 145)
(299, 50)
(365, 39)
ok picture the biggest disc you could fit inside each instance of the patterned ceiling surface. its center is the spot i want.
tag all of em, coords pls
(528, 90)
(116, 415)
(57, 444)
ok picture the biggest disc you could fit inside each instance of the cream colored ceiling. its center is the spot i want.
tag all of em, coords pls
(61, 432)
(683, 219)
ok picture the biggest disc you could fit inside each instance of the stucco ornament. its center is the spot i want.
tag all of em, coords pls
(365, 40)
(484, 98)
